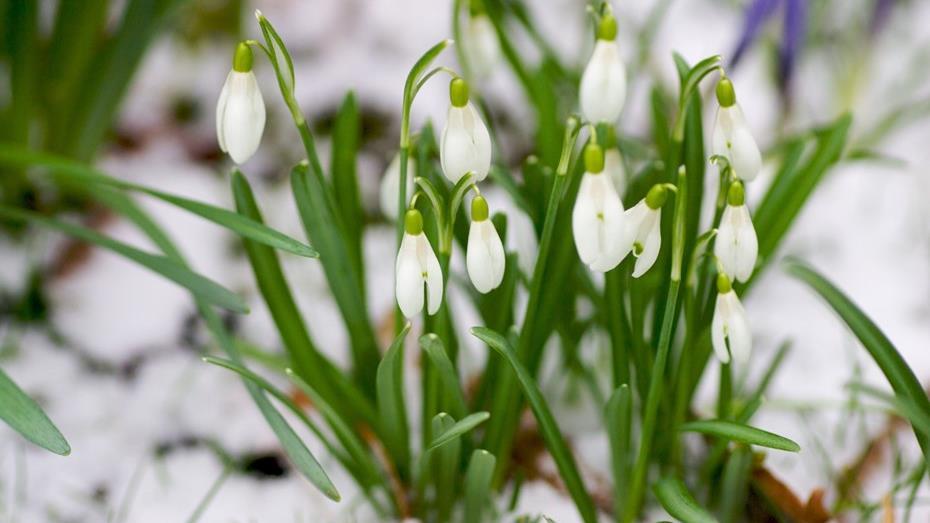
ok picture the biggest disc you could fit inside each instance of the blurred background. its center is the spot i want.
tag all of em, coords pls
(112, 352)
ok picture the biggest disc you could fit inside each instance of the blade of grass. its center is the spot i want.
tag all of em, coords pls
(201, 286)
(452, 397)
(743, 433)
(24, 415)
(905, 384)
(478, 478)
(619, 418)
(346, 136)
(445, 460)
(679, 503)
(391, 405)
(734, 488)
(461, 427)
(547, 425)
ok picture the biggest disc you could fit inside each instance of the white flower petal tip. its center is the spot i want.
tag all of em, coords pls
(390, 185)
(484, 257)
(730, 334)
(642, 232)
(733, 140)
(598, 222)
(240, 116)
(416, 267)
(603, 84)
(736, 245)
(480, 45)
(465, 145)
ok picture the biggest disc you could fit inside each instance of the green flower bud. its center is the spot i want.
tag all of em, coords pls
(736, 196)
(723, 284)
(726, 96)
(413, 222)
(593, 158)
(656, 196)
(607, 29)
(242, 60)
(458, 92)
(479, 209)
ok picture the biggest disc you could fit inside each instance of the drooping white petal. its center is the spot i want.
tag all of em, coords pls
(611, 229)
(613, 166)
(408, 278)
(730, 334)
(597, 223)
(432, 273)
(650, 237)
(480, 45)
(733, 140)
(603, 84)
(485, 256)
(736, 244)
(240, 116)
(466, 145)
(585, 224)
(390, 184)
(718, 332)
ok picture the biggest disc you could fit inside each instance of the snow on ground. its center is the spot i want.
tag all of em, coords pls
(141, 410)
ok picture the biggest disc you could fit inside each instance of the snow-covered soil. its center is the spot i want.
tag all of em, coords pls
(144, 415)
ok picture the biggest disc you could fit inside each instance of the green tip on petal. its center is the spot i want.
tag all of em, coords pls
(593, 158)
(726, 96)
(607, 28)
(479, 209)
(242, 60)
(736, 196)
(413, 222)
(723, 284)
(458, 92)
(656, 196)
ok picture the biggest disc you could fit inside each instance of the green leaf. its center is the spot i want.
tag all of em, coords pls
(905, 384)
(71, 171)
(453, 399)
(24, 415)
(391, 405)
(734, 488)
(478, 478)
(346, 136)
(547, 425)
(461, 427)
(679, 503)
(743, 433)
(445, 460)
(619, 419)
(201, 286)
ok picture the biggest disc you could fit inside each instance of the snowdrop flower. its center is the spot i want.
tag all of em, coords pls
(485, 255)
(240, 112)
(480, 46)
(729, 330)
(417, 265)
(597, 218)
(736, 246)
(603, 84)
(390, 184)
(466, 144)
(642, 229)
(731, 135)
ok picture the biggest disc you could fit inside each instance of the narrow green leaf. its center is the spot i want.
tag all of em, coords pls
(391, 405)
(679, 503)
(453, 399)
(547, 425)
(73, 171)
(461, 427)
(478, 478)
(201, 286)
(346, 136)
(24, 415)
(905, 384)
(742, 433)
(619, 426)
(734, 488)
(445, 460)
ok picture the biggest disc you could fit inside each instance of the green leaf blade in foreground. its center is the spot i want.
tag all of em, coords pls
(547, 425)
(742, 433)
(478, 479)
(453, 399)
(389, 385)
(24, 415)
(73, 171)
(461, 427)
(205, 288)
(675, 498)
(905, 384)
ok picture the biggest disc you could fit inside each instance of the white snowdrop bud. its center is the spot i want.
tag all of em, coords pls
(485, 255)
(642, 233)
(736, 246)
(240, 111)
(390, 184)
(603, 84)
(416, 266)
(480, 45)
(466, 145)
(729, 330)
(597, 218)
(731, 135)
